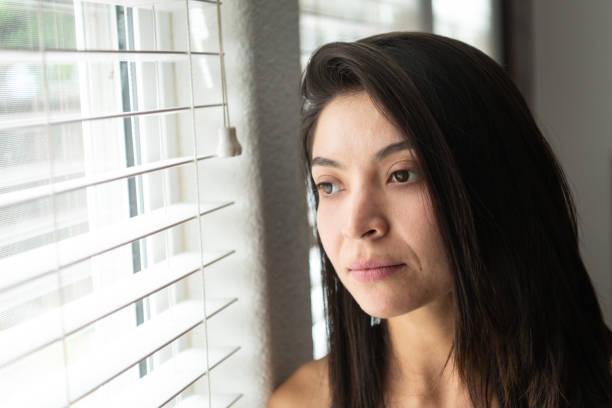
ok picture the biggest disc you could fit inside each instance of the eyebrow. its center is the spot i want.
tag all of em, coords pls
(381, 154)
(393, 148)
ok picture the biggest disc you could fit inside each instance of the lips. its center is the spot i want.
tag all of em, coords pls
(371, 264)
(373, 269)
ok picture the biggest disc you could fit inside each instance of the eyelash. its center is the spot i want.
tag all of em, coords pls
(321, 185)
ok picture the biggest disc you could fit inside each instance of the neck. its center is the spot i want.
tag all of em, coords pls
(421, 367)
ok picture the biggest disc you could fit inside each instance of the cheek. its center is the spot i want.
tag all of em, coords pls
(419, 229)
(435, 259)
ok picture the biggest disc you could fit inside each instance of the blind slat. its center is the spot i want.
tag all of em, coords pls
(168, 380)
(32, 335)
(128, 349)
(73, 56)
(148, 3)
(35, 193)
(23, 267)
(218, 401)
(54, 118)
(153, 390)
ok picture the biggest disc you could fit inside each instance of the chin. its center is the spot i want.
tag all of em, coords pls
(384, 309)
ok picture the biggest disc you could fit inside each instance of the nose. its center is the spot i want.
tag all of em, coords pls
(365, 217)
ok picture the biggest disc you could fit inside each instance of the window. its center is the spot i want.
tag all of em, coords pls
(108, 120)
(476, 22)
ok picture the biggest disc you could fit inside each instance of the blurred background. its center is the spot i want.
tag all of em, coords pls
(138, 268)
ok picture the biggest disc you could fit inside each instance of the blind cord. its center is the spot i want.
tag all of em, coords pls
(198, 204)
(228, 144)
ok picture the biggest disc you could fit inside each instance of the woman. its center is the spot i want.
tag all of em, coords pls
(442, 211)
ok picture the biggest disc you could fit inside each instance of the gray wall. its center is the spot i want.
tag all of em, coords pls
(572, 100)
(261, 40)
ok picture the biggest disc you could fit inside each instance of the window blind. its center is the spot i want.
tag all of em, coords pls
(109, 112)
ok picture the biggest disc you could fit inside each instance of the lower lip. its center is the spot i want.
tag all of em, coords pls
(374, 274)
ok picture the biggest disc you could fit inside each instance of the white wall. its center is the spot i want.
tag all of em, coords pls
(573, 105)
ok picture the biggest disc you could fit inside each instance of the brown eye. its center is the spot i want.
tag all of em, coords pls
(402, 176)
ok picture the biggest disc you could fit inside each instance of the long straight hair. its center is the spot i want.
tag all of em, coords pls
(528, 324)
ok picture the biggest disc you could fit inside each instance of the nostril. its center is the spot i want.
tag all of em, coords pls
(370, 232)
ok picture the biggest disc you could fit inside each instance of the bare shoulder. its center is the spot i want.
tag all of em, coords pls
(307, 387)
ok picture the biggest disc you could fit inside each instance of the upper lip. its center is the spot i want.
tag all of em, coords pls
(372, 263)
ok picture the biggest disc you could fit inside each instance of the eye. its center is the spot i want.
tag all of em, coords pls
(328, 188)
(402, 176)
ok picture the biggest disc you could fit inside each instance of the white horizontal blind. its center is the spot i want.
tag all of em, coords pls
(108, 115)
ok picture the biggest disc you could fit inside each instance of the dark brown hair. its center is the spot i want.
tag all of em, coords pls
(528, 324)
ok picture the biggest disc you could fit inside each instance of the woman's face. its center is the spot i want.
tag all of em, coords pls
(375, 218)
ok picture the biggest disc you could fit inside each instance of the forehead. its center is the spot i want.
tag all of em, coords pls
(352, 124)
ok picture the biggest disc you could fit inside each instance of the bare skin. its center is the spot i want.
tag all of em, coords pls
(419, 375)
(307, 387)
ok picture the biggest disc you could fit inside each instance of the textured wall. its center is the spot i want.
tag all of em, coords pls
(573, 105)
(262, 46)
